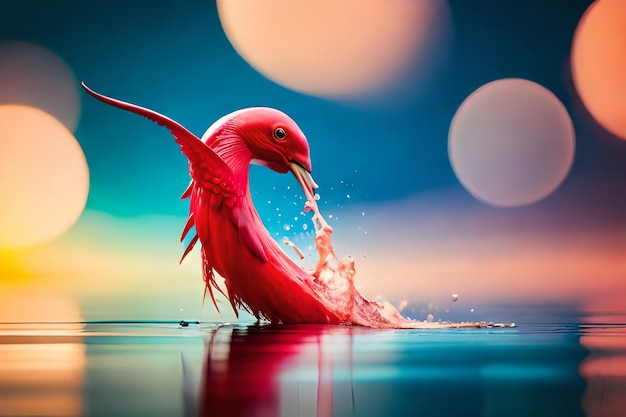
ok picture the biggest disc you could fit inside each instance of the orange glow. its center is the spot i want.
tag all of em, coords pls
(497, 271)
(604, 397)
(29, 370)
(335, 49)
(25, 304)
(431, 246)
(11, 268)
(119, 268)
(44, 179)
(610, 336)
(33, 76)
(65, 358)
(511, 142)
(599, 63)
(605, 367)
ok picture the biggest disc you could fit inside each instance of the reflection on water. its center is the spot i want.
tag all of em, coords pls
(286, 370)
(605, 367)
(41, 379)
(322, 371)
(162, 369)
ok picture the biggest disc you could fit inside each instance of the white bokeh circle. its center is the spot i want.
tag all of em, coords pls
(511, 142)
(32, 75)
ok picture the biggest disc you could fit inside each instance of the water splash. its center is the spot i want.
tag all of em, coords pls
(333, 278)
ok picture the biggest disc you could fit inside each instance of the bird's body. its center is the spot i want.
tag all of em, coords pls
(258, 275)
(235, 244)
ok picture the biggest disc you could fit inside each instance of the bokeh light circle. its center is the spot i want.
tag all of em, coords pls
(34, 76)
(511, 142)
(44, 178)
(599, 63)
(336, 49)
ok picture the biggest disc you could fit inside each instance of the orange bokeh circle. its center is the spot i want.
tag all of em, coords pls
(599, 63)
(44, 178)
(337, 49)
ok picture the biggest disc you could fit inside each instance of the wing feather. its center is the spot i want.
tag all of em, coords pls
(212, 174)
(205, 164)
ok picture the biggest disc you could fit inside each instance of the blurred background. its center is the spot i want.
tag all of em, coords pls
(471, 148)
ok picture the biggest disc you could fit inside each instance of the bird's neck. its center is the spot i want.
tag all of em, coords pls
(233, 151)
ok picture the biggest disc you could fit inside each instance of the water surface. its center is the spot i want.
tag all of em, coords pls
(566, 368)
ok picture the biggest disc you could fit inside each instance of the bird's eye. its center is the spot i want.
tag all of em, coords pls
(280, 133)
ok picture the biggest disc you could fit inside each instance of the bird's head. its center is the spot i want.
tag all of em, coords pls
(275, 141)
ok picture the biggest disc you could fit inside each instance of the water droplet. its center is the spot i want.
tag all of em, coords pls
(277, 208)
(362, 213)
(455, 297)
(287, 227)
(289, 187)
(305, 226)
(347, 195)
(316, 197)
(430, 318)
(295, 218)
(330, 216)
(269, 202)
(181, 309)
(471, 310)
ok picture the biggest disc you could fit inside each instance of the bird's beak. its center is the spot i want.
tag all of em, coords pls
(305, 179)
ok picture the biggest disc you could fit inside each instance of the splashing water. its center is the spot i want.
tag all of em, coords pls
(333, 278)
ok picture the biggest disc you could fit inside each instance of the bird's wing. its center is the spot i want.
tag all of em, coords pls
(207, 169)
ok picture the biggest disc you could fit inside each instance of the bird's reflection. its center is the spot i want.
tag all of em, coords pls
(244, 369)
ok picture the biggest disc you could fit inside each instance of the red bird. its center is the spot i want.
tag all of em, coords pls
(259, 277)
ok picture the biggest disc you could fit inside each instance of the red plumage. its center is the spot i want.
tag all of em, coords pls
(258, 275)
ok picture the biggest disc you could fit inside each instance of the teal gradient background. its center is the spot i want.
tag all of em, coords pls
(383, 166)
